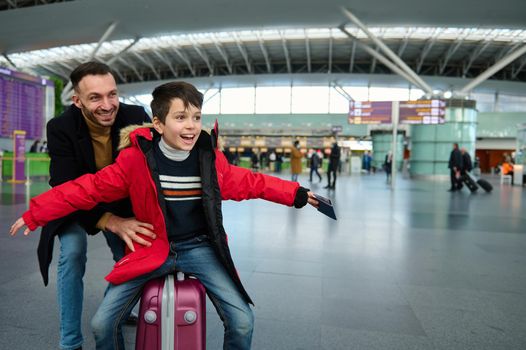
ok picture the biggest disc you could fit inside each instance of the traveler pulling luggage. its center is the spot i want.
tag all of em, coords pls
(172, 314)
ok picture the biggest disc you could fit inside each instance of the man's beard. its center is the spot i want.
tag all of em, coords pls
(91, 116)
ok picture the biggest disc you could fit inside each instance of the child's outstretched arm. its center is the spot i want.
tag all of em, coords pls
(239, 184)
(83, 193)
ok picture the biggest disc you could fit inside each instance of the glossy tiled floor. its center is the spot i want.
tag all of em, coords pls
(417, 268)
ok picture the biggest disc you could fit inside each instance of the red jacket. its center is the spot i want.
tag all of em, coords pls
(131, 176)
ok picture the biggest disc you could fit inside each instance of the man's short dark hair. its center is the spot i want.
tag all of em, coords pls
(164, 94)
(88, 68)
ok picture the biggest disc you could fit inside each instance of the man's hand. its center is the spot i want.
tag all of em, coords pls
(129, 229)
(312, 200)
(18, 225)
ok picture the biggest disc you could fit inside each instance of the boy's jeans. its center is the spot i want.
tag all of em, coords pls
(70, 287)
(195, 257)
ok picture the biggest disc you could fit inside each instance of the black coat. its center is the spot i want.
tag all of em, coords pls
(466, 162)
(455, 159)
(71, 152)
(334, 158)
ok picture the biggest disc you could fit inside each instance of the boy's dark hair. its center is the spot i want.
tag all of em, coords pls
(164, 94)
(88, 68)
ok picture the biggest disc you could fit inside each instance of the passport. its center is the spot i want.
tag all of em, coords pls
(325, 206)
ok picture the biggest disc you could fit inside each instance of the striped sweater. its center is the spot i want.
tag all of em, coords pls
(181, 188)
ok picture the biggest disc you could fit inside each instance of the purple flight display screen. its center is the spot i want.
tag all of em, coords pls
(423, 112)
(22, 103)
(369, 112)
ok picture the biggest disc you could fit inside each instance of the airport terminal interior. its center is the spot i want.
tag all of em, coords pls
(418, 255)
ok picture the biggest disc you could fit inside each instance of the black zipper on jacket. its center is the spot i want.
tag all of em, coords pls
(147, 149)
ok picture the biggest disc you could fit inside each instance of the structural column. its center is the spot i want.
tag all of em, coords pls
(383, 143)
(431, 145)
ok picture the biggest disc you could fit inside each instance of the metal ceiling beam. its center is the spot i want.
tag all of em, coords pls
(329, 70)
(147, 62)
(9, 61)
(167, 62)
(265, 53)
(286, 51)
(429, 45)
(185, 59)
(480, 49)
(104, 37)
(492, 70)
(516, 71)
(405, 41)
(339, 89)
(133, 68)
(450, 52)
(351, 60)
(54, 71)
(381, 58)
(200, 51)
(244, 53)
(506, 50)
(389, 52)
(223, 54)
(123, 51)
(373, 63)
(307, 49)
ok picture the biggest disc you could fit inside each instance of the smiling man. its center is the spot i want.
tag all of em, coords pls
(83, 140)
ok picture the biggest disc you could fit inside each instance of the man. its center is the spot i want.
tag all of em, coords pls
(334, 161)
(455, 166)
(467, 165)
(83, 140)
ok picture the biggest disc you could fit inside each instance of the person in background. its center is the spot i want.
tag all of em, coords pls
(279, 161)
(507, 168)
(455, 166)
(82, 140)
(43, 147)
(467, 165)
(388, 166)
(334, 160)
(295, 160)
(314, 165)
(35, 146)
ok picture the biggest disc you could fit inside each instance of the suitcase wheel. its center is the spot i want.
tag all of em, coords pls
(190, 317)
(150, 316)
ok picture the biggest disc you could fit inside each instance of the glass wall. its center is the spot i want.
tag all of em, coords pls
(323, 99)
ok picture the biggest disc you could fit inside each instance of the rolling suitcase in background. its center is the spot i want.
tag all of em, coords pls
(172, 315)
(469, 182)
(486, 186)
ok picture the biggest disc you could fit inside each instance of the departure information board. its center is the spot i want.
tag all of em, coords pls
(410, 112)
(370, 112)
(22, 103)
(422, 112)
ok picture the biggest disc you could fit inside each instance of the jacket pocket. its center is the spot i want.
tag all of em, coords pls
(132, 257)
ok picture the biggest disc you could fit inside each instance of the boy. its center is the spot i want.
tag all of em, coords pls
(181, 198)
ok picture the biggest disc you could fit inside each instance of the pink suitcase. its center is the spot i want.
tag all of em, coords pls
(172, 315)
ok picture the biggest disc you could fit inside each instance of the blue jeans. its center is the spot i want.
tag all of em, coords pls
(194, 257)
(70, 286)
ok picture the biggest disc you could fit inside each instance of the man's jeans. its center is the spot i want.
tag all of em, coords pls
(195, 257)
(70, 287)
